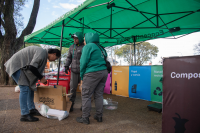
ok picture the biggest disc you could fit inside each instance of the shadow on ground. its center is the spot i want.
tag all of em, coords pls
(132, 116)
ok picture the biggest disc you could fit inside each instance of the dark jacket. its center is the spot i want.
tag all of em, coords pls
(74, 54)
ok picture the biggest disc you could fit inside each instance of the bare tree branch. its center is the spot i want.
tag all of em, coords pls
(10, 27)
(31, 24)
(1, 22)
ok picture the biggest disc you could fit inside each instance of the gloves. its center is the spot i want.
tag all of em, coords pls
(67, 69)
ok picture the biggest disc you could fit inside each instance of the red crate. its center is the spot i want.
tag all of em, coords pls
(63, 77)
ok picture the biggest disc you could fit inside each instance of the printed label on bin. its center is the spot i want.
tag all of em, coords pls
(140, 82)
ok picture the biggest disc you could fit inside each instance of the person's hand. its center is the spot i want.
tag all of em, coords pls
(43, 80)
(67, 69)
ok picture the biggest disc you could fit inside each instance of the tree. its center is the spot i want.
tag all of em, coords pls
(111, 52)
(161, 60)
(197, 49)
(10, 40)
(144, 52)
(64, 52)
(30, 44)
(26, 45)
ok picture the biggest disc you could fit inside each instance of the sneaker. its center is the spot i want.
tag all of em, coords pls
(34, 112)
(83, 120)
(99, 119)
(28, 118)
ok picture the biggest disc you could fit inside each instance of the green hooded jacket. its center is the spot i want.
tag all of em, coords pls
(92, 59)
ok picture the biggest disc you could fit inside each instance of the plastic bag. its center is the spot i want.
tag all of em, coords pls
(105, 102)
(17, 89)
(110, 104)
(59, 118)
(57, 114)
(42, 108)
(64, 116)
(52, 117)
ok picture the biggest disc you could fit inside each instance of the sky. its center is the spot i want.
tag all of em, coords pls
(51, 9)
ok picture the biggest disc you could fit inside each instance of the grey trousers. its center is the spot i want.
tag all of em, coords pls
(93, 83)
(74, 81)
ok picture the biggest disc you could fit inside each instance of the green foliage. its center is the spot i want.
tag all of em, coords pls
(64, 51)
(144, 52)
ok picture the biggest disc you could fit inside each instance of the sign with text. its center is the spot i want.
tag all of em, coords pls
(140, 82)
(156, 84)
(181, 95)
(120, 79)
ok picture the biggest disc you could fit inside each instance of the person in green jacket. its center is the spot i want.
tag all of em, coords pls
(93, 73)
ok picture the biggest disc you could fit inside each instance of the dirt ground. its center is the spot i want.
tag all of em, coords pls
(131, 116)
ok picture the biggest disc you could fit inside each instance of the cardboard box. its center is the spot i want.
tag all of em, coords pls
(55, 98)
(78, 90)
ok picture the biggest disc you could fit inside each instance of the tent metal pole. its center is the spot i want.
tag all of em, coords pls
(60, 50)
(111, 23)
(100, 4)
(131, 56)
(134, 40)
(157, 16)
(24, 45)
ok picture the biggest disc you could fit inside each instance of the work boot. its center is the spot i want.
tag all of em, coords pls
(81, 108)
(99, 119)
(83, 120)
(34, 112)
(72, 108)
(28, 118)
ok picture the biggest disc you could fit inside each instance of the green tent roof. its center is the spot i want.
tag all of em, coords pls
(118, 21)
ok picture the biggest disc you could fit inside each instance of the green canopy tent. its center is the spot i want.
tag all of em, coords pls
(122, 21)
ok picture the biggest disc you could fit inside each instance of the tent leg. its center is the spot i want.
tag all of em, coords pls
(24, 45)
(131, 56)
(60, 51)
(134, 40)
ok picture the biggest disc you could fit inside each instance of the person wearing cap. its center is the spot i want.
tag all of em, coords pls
(26, 67)
(73, 59)
(93, 72)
